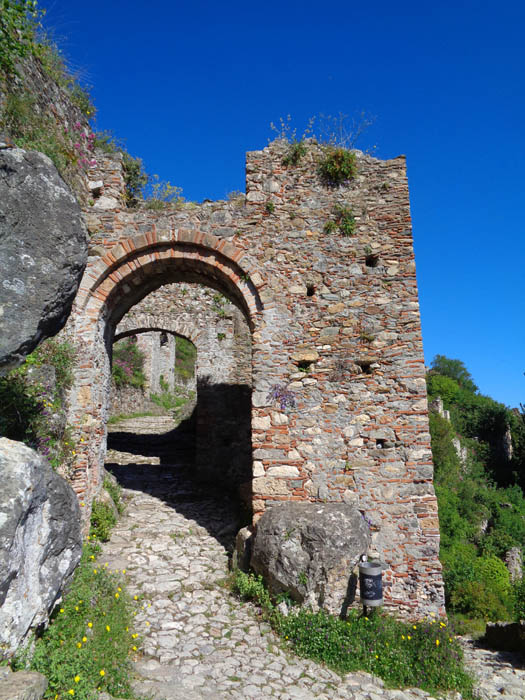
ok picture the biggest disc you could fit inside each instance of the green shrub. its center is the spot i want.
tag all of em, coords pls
(337, 166)
(86, 648)
(185, 356)
(135, 179)
(103, 519)
(478, 600)
(128, 364)
(171, 401)
(115, 491)
(19, 20)
(343, 221)
(162, 195)
(425, 654)
(519, 599)
(494, 573)
(445, 387)
(294, 153)
(34, 131)
(33, 413)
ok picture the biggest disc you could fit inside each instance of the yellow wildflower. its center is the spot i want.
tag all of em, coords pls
(76, 679)
(79, 645)
(90, 624)
(102, 672)
(71, 691)
(84, 639)
(108, 628)
(437, 642)
(117, 596)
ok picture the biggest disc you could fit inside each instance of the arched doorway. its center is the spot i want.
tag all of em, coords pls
(120, 279)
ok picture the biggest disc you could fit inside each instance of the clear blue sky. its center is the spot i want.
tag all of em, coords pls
(192, 86)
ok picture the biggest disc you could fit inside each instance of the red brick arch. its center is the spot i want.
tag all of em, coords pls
(186, 255)
(119, 279)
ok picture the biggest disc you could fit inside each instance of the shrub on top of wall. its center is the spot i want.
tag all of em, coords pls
(337, 166)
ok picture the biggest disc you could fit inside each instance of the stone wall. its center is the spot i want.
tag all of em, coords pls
(126, 400)
(334, 321)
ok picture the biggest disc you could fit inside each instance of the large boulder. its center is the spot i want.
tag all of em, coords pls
(43, 252)
(40, 541)
(310, 550)
(22, 685)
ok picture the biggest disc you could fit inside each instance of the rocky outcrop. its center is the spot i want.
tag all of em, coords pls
(22, 685)
(310, 551)
(40, 541)
(43, 244)
(514, 563)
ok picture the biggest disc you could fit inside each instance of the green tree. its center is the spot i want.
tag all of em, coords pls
(455, 369)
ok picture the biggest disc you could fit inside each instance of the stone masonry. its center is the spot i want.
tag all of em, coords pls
(334, 321)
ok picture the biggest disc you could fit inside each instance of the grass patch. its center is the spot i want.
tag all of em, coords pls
(424, 654)
(86, 649)
(103, 519)
(32, 397)
(125, 416)
(185, 356)
(115, 491)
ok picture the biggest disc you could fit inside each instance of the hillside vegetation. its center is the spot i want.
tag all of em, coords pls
(480, 485)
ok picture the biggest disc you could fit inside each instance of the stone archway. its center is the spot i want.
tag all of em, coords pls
(120, 279)
(336, 337)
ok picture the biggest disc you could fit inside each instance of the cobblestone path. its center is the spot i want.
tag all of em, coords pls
(198, 642)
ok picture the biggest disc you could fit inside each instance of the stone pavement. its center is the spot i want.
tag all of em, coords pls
(197, 641)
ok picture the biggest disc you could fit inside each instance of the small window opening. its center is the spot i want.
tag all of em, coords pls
(372, 260)
(304, 365)
(380, 443)
(366, 366)
(310, 290)
(163, 339)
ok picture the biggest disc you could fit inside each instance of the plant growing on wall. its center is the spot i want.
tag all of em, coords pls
(280, 393)
(343, 221)
(295, 153)
(135, 179)
(337, 166)
(162, 195)
(19, 20)
(128, 364)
